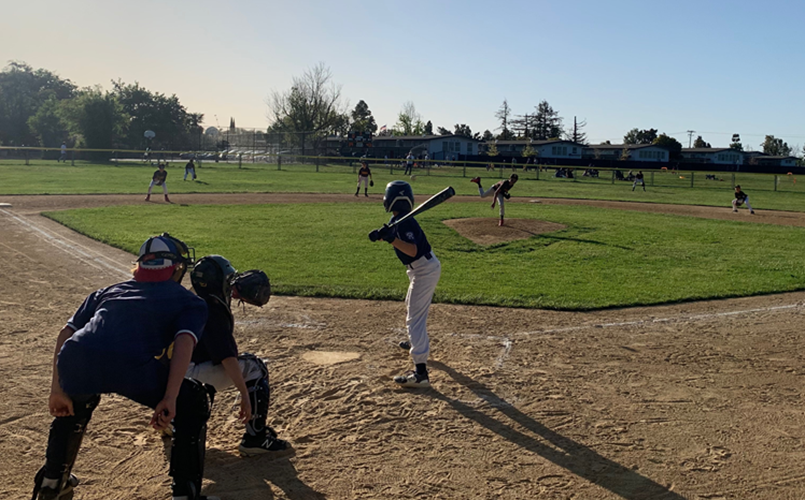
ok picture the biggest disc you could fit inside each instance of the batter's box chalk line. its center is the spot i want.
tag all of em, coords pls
(76, 250)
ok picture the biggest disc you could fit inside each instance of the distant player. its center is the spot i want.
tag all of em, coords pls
(501, 191)
(409, 164)
(638, 179)
(740, 199)
(423, 269)
(190, 169)
(365, 178)
(63, 156)
(158, 179)
(216, 360)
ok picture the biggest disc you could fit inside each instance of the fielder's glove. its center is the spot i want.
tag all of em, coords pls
(371, 183)
(251, 287)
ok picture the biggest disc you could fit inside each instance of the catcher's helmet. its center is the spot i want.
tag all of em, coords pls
(399, 197)
(212, 275)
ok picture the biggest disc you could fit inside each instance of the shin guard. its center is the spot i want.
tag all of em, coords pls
(189, 439)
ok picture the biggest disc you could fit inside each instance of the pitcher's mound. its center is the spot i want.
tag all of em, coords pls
(487, 232)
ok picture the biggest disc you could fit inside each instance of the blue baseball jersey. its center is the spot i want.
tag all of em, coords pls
(410, 232)
(123, 334)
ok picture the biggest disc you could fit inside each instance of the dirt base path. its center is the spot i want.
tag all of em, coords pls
(699, 400)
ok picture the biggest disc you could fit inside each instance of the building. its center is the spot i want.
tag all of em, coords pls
(555, 148)
(632, 152)
(715, 156)
(775, 161)
(437, 147)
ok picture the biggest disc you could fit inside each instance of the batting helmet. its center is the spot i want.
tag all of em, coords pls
(399, 197)
(212, 275)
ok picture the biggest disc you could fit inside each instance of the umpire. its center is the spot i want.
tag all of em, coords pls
(135, 339)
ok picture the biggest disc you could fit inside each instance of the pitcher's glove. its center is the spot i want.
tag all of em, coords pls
(507, 195)
(251, 287)
(371, 183)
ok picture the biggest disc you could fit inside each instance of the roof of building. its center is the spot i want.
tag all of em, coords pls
(421, 137)
(534, 143)
(627, 146)
(708, 150)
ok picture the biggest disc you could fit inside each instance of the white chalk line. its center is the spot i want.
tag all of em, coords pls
(83, 254)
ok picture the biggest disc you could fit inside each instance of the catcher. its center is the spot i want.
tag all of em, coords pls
(365, 178)
(158, 179)
(216, 361)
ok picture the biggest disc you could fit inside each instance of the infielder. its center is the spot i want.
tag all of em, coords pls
(135, 339)
(638, 179)
(365, 178)
(412, 248)
(216, 361)
(740, 199)
(190, 169)
(158, 179)
(500, 190)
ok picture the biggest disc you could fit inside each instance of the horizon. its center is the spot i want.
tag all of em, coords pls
(716, 69)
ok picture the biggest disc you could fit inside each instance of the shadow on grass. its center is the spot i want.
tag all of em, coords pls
(562, 451)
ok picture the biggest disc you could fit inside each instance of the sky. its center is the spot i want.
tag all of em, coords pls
(714, 67)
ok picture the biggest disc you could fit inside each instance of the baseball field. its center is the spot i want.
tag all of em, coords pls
(604, 344)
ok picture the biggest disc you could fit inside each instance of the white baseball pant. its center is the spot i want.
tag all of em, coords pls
(423, 275)
(490, 191)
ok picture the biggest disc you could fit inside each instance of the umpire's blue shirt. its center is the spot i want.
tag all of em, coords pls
(122, 337)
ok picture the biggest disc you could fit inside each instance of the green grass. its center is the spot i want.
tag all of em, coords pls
(48, 177)
(605, 258)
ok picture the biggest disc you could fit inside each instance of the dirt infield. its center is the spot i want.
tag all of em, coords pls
(698, 401)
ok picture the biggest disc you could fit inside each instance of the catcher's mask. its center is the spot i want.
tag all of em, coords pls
(399, 197)
(163, 255)
(212, 275)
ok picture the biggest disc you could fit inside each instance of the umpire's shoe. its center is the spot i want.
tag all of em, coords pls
(267, 443)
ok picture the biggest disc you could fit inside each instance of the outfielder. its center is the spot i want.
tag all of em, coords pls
(740, 199)
(216, 361)
(365, 178)
(135, 339)
(412, 248)
(158, 179)
(638, 179)
(500, 190)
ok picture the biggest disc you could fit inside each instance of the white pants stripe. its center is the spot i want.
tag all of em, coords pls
(423, 275)
(215, 375)
(491, 191)
(736, 203)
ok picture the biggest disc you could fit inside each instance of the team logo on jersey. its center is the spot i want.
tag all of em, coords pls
(409, 235)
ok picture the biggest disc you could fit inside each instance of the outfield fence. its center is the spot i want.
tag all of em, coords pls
(491, 170)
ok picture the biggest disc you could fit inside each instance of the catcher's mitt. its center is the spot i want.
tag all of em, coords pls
(251, 287)
(371, 183)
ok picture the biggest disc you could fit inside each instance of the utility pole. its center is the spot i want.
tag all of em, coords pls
(690, 137)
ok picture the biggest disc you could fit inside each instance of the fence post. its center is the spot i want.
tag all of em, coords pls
(691, 178)
(613, 177)
(652, 179)
(279, 161)
(465, 171)
(538, 169)
(733, 181)
(317, 164)
(240, 160)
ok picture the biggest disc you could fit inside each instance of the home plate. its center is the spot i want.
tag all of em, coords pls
(329, 357)
(5, 205)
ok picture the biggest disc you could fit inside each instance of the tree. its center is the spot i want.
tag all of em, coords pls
(463, 129)
(429, 128)
(528, 151)
(547, 123)
(362, 119)
(22, 91)
(493, 150)
(672, 145)
(775, 147)
(48, 125)
(575, 134)
(636, 136)
(736, 143)
(174, 126)
(96, 117)
(443, 131)
(310, 109)
(409, 122)
(699, 143)
(503, 114)
(625, 154)
(488, 136)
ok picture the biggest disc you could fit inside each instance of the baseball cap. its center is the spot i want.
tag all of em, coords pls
(157, 259)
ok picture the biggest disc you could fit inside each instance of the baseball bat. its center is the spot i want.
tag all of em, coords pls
(437, 199)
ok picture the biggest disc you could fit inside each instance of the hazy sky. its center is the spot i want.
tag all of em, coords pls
(715, 67)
